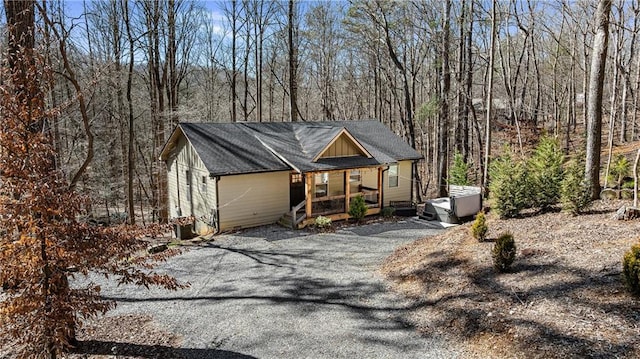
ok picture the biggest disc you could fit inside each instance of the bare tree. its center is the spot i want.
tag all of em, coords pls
(594, 110)
(489, 103)
(292, 41)
(443, 128)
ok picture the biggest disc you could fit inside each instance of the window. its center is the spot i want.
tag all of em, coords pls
(203, 184)
(296, 177)
(188, 175)
(321, 182)
(355, 176)
(393, 176)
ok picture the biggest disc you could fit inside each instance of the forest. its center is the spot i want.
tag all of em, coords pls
(535, 101)
(449, 77)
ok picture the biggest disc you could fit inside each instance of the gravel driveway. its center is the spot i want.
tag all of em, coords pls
(276, 293)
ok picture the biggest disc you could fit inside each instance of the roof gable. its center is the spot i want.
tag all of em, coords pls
(342, 144)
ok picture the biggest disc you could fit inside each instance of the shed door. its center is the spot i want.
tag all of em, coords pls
(296, 194)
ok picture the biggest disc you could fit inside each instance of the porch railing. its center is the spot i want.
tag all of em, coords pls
(322, 206)
(297, 217)
(336, 204)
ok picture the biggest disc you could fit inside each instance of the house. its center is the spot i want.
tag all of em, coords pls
(238, 175)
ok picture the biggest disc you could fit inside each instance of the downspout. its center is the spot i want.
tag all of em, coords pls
(217, 179)
(178, 210)
(382, 187)
(414, 165)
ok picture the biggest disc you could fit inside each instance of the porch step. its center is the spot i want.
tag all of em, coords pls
(286, 220)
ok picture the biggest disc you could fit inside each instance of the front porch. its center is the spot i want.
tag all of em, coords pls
(329, 194)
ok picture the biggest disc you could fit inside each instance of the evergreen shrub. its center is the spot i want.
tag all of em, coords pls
(631, 269)
(574, 191)
(388, 212)
(504, 252)
(509, 186)
(357, 208)
(545, 173)
(479, 227)
(459, 172)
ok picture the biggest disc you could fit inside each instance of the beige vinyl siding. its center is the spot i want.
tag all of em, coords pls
(342, 147)
(201, 202)
(253, 199)
(403, 191)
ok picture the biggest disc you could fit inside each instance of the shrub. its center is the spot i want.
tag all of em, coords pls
(545, 173)
(322, 222)
(504, 252)
(628, 185)
(388, 212)
(358, 208)
(479, 227)
(631, 269)
(509, 186)
(609, 194)
(574, 191)
(459, 173)
(626, 194)
(620, 168)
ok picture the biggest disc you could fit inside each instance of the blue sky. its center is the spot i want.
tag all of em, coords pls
(75, 8)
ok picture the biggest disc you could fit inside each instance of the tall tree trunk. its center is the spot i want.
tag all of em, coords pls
(130, 149)
(469, 85)
(636, 96)
(443, 130)
(247, 52)
(257, 53)
(172, 88)
(21, 41)
(635, 179)
(489, 104)
(20, 21)
(234, 65)
(594, 106)
(462, 128)
(613, 112)
(116, 32)
(293, 62)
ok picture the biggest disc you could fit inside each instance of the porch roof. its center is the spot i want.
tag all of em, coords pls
(246, 147)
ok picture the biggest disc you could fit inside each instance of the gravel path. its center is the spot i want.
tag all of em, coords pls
(274, 293)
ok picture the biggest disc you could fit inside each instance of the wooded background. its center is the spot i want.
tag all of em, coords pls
(126, 72)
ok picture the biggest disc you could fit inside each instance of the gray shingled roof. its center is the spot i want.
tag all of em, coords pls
(250, 147)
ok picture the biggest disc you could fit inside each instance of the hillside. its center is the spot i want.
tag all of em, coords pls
(563, 298)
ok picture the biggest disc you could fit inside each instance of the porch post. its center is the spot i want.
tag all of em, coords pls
(347, 190)
(308, 192)
(379, 187)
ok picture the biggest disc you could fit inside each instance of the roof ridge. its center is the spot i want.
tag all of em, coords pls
(271, 150)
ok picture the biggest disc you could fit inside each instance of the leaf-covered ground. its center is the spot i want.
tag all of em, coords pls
(563, 298)
(128, 336)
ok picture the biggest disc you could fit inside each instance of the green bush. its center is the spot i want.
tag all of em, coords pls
(620, 168)
(626, 194)
(479, 227)
(388, 212)
(357, 208)
(631, 269)
(322, 222)
(628, 184)
(509, 186)
(574, 191)
(545, 173)
(459, 172)
(504, 252)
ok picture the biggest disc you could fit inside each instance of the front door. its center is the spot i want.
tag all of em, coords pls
(296, 194)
